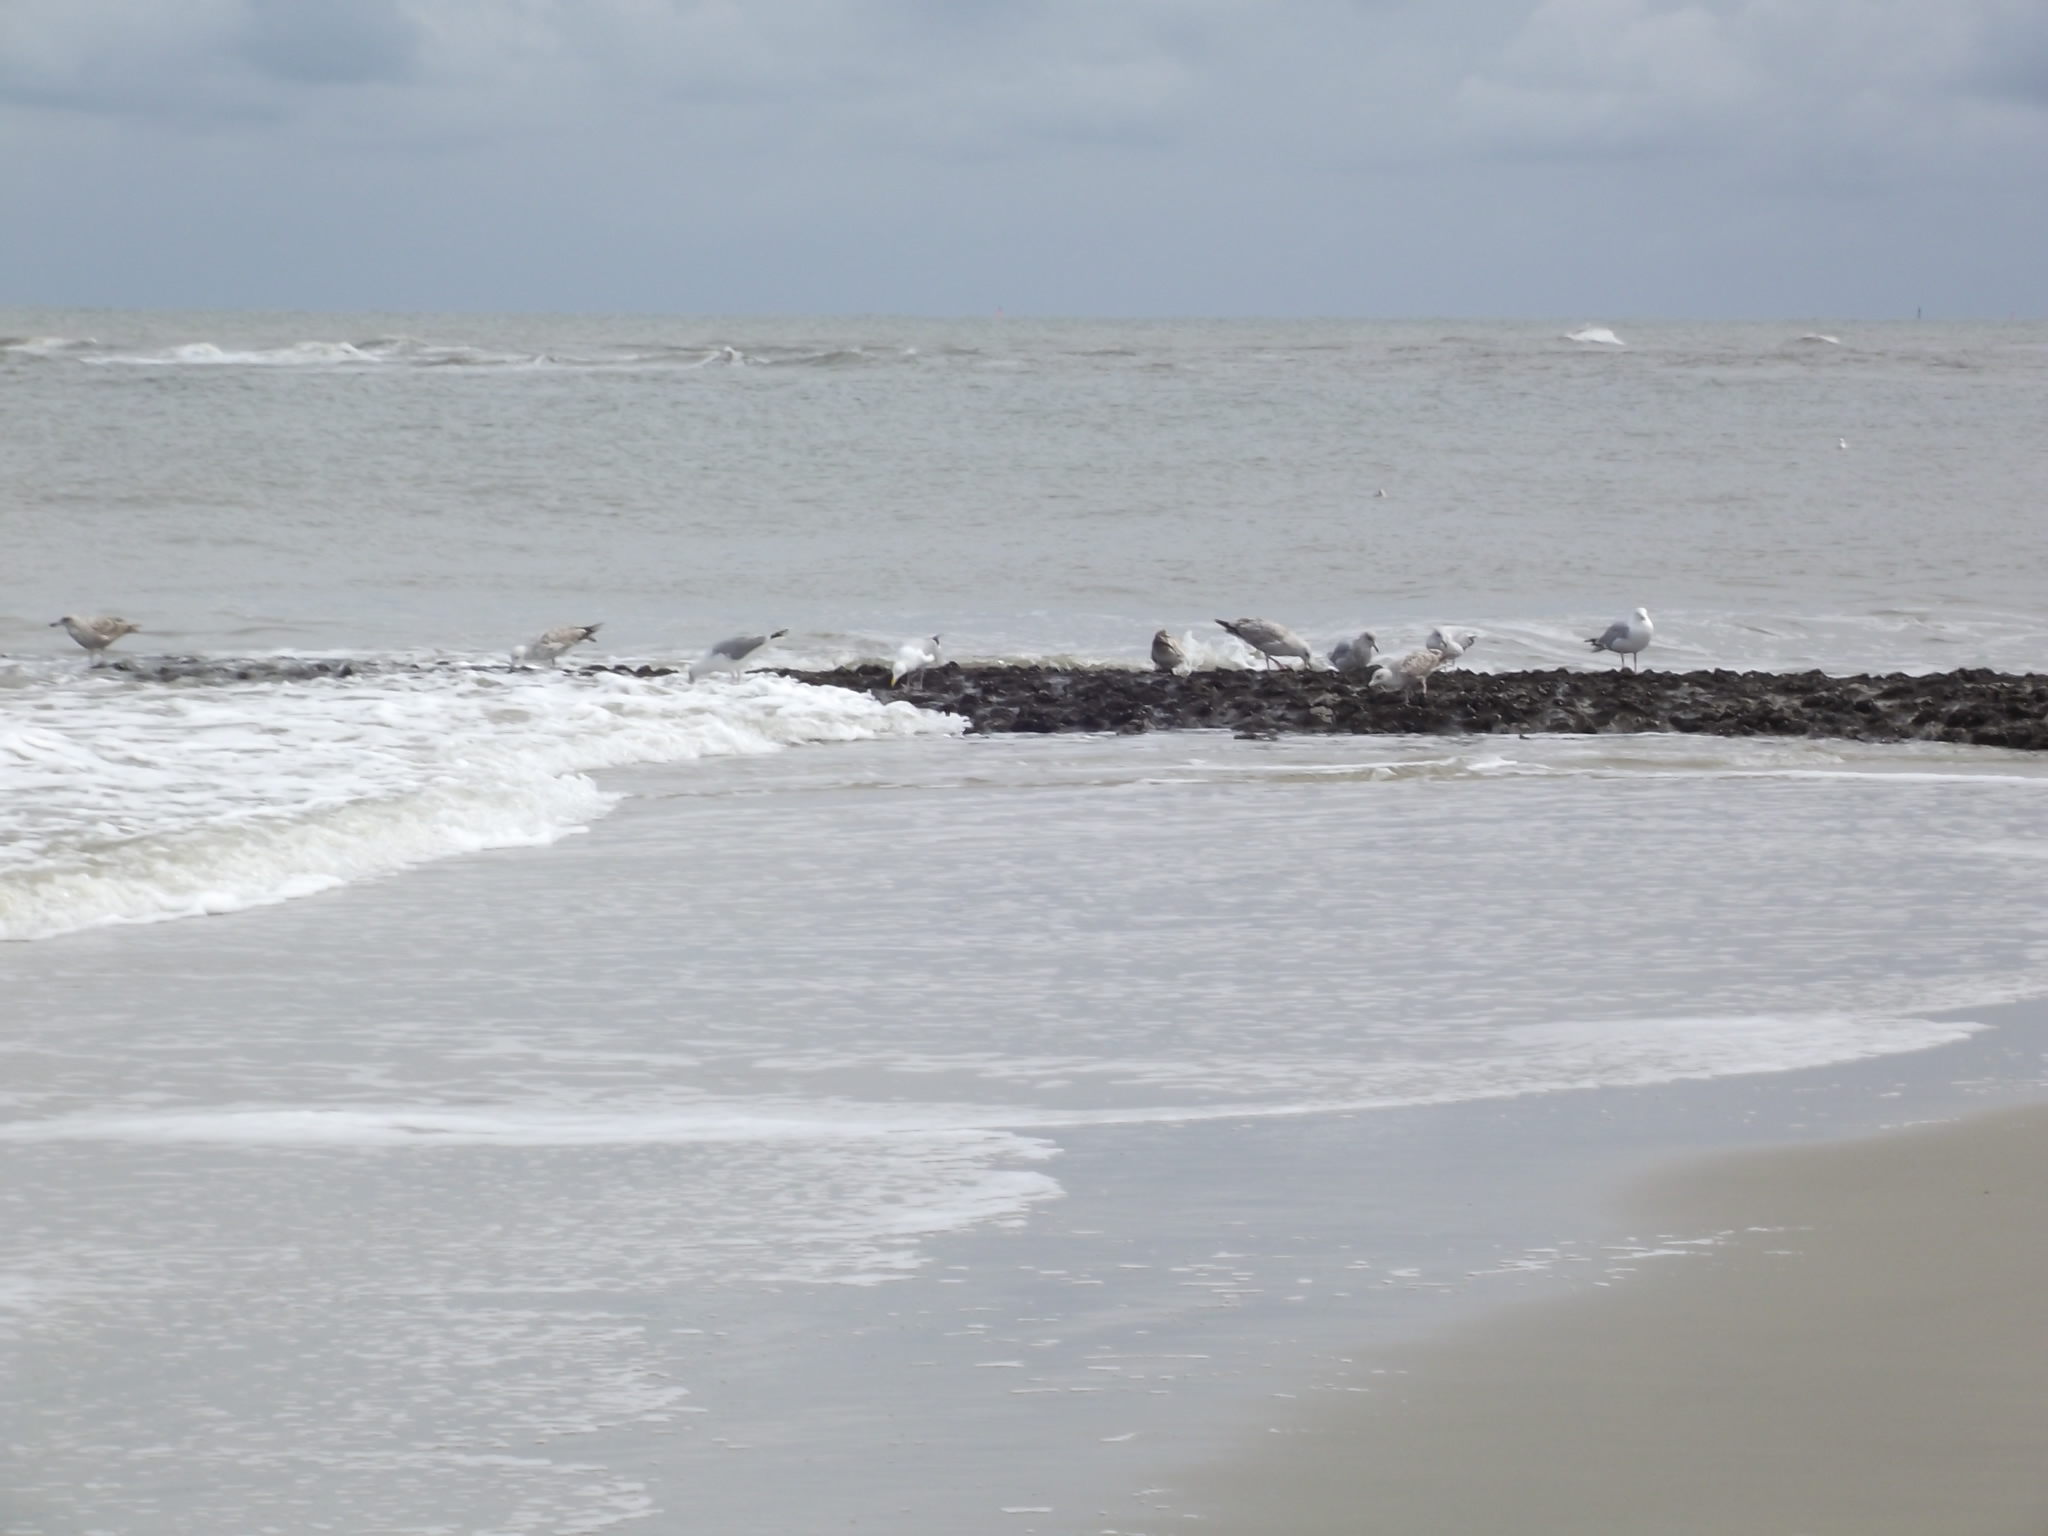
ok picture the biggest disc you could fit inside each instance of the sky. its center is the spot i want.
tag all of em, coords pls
(1569, 158)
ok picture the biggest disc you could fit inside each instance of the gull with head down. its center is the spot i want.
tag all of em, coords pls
(1400, 673)
(553, 643)
(912, 657)
(730, 655)
(1273, 642)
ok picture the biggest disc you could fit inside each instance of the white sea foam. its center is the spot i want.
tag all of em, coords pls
(1507, 1062)
(839, 1194)
(1503, 1062)
(1597, 335)
(121, 803)
(401, 351)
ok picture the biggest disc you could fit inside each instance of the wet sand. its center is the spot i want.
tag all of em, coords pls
(1864, 1350)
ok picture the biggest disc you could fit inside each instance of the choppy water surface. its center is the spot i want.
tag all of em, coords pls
(417, 1191)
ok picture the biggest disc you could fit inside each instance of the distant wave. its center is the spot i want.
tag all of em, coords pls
(314, 354)
(45, 346)
(408, 352)
(1597, 335)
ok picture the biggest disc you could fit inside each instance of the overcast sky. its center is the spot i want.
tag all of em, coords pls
(1571, 158)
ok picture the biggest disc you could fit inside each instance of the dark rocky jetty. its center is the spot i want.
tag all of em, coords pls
(230, 669)
(1980, 707)
(1975, 706)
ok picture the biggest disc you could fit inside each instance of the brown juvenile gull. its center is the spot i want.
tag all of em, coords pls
(1355, 655)
(1628, 637)
(1452, 642)
(552, 643)
(1167, 655)
(912, 657)
(1272, 641)
(1404, 672)
(731, 655)
(95, 634)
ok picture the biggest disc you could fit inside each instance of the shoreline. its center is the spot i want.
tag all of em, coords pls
(1854, 1348)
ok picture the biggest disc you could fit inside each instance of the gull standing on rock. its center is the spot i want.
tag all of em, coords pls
(1628, 637)
(1167, 655)
(1452, 642)
(731, 655)
(1405, 672)
(95, 634)
(1355, 655)
(912, 657)
(553, 643)
(1272, 641)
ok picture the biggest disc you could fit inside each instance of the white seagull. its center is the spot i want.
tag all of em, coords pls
(1405, 672)
(912, 657)
(731, 655)
(1272, 641)
(1628, 637)
(1452, 642)
(1167, 655)
(1355, 655)
(553, 643)
(95, 634)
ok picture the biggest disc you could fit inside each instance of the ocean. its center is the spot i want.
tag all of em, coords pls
(452, 1097)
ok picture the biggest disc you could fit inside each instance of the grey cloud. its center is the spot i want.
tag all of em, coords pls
(329, 41)
(1863, 78)
(1084, 155)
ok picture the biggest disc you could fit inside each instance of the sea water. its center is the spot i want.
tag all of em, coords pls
(738, 1105)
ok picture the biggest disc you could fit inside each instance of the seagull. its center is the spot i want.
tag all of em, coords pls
(1453, 643)
(912, 657)
(1355, 655)
(95, 634)
(1627, 637)
(731, 655)
(553, 642)
(1405, 672)
(1167, 655)
(1272, 641)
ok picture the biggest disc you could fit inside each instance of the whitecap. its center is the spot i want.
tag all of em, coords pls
(121, 804)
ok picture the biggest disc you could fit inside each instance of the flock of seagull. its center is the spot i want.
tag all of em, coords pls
(913, 657)
(1275, 645)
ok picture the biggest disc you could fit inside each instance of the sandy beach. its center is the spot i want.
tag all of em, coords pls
(1859, 1349)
